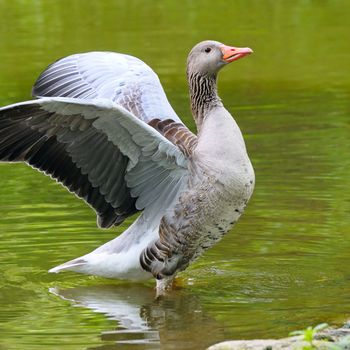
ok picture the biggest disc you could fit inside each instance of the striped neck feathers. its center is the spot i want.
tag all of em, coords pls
(203, 95)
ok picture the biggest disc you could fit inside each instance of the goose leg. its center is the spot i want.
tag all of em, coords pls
(164, 285)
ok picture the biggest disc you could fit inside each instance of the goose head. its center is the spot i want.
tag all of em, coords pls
(209, 56)
(203, 63)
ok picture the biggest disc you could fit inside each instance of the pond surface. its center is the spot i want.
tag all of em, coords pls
(286, 263)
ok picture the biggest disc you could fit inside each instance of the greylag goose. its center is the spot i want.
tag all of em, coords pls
(102, 126)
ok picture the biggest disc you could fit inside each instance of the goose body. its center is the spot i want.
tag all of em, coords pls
(103, 127)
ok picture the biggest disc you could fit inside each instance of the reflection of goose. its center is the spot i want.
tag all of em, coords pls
(176, 321)
(104, 128)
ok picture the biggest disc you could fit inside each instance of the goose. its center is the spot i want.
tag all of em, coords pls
(101, 125)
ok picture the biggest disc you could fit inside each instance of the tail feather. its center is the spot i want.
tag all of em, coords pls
(69, 265)
(119, 258)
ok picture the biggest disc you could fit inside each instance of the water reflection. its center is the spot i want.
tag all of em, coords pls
(145, 321)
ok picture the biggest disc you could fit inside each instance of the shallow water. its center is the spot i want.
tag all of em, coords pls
(285, 264)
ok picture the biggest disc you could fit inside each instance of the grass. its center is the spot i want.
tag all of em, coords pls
(309, 337)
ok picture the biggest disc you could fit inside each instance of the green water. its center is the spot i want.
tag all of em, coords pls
(286, 263)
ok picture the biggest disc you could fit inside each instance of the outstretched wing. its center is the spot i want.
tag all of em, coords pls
(123, 79)
(97, 149)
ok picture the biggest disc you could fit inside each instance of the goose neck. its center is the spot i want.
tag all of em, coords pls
(203, 96)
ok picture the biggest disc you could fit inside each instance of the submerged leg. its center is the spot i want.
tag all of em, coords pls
(164, 285)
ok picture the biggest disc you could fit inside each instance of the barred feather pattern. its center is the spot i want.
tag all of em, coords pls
(202, 216)
(177, 133)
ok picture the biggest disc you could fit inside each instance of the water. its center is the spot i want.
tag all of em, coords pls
(283, 267)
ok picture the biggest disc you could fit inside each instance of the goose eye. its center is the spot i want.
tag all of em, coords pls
(208, 49)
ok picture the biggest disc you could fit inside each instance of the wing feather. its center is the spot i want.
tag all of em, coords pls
(120, 78)
(98, 150)
(123, 79)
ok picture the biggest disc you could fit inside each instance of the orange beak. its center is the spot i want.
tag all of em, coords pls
(230, 53)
